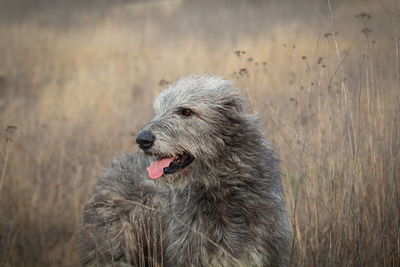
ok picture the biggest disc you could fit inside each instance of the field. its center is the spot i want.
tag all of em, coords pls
(77, 81)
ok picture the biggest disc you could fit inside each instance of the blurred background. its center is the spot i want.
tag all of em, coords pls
(77, 81)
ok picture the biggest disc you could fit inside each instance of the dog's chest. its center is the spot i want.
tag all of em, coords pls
(210, 230)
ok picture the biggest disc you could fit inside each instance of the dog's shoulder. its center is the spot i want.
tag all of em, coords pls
(120, 200)
(126, 178)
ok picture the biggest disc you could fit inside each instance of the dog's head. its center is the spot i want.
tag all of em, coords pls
(195, 120)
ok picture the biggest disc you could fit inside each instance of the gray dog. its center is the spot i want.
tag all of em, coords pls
(211, 194)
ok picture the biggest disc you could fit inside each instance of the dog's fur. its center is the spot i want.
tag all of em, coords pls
(224, 209)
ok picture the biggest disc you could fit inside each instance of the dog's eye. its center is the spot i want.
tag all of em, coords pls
(186, 112)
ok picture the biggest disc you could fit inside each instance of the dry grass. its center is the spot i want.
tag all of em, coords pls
(330, 103)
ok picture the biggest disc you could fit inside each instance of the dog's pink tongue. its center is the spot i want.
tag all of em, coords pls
(156, 168)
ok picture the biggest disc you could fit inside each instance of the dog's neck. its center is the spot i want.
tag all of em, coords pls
(211, 178)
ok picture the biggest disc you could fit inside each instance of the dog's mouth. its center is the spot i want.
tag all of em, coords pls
(169, 165)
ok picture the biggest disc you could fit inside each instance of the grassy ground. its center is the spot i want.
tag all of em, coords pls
(327, 91)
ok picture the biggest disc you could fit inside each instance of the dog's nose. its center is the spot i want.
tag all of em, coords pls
(145, 140)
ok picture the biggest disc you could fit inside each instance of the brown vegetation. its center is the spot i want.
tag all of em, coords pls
(328, 93)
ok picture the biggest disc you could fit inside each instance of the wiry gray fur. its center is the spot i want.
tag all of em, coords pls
(224, 209)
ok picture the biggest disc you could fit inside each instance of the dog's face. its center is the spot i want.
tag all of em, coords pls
(193, 119)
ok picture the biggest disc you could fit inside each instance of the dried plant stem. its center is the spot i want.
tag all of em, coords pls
(392, 18)
(4, 167)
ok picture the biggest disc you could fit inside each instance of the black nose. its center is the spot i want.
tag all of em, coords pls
(145, 140)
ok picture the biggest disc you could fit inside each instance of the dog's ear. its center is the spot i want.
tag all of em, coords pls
(236, 103)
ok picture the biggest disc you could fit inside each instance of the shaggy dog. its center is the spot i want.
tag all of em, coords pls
(204, 191)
